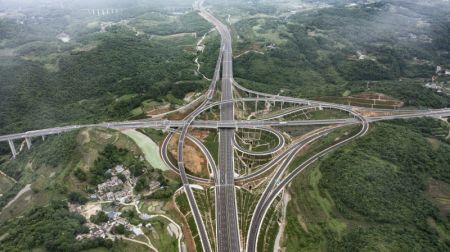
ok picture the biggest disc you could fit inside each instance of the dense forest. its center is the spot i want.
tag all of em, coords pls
(51, 227)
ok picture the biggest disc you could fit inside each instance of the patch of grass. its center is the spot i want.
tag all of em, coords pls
(205, 202)
(151, 23)
(5, 184)
(269, 229)
(156, 135)
(246, 203)
(160, 237)
(121, 245)
(149, 148)
(334, 137)
(308, 212)
(256, 140)
(212, 144)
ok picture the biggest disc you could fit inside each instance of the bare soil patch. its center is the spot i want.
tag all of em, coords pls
(194, 159)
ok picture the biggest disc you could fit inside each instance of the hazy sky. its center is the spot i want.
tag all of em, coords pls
(89, 3)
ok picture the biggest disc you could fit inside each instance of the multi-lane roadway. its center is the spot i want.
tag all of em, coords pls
(227, 230)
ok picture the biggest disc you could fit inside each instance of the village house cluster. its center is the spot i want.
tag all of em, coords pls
(439, 87)
(105, 230)
(118, 190)
(440, 70)
(114, 189)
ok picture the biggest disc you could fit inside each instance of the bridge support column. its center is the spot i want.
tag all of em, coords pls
(13, 148)
(43, 138)
(28, 140)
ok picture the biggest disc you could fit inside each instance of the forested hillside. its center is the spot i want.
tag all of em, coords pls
(112, 66)
(86, 85)
(386, 191)
(38, 210)
(392, 47)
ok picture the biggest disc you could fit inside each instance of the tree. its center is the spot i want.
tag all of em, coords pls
(76, 197)
(100, 217)
(122, 177)
(120, 229)
(141, 184)
(80, 174)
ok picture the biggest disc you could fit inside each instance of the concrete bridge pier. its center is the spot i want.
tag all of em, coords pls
(28, 141)
(13, 148)
(43, 138)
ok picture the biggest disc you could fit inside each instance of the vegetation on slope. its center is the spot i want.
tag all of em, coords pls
(337, 50)
(51, 227)
(67, 168)
(98, 76)
(87, 84)
(372, 194)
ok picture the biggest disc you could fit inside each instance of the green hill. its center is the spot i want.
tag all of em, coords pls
(387, 191)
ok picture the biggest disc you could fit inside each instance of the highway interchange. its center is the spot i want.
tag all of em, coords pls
(228, 236)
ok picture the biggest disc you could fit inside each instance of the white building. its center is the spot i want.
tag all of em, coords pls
(110, 185)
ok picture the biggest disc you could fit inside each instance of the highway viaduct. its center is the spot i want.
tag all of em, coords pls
(166, 124)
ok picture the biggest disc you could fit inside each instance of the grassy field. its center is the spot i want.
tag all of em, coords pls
(330, 139)
(269, 230)
(317, 114)
(155, 135)
(246, 203)
(187, 23)
(160, 236)
(183, 205)
(212, 144)
(120, 246)
(256, 140)
(5, 183)
(206, 205)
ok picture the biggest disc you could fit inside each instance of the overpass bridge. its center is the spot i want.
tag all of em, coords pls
(231, 124)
